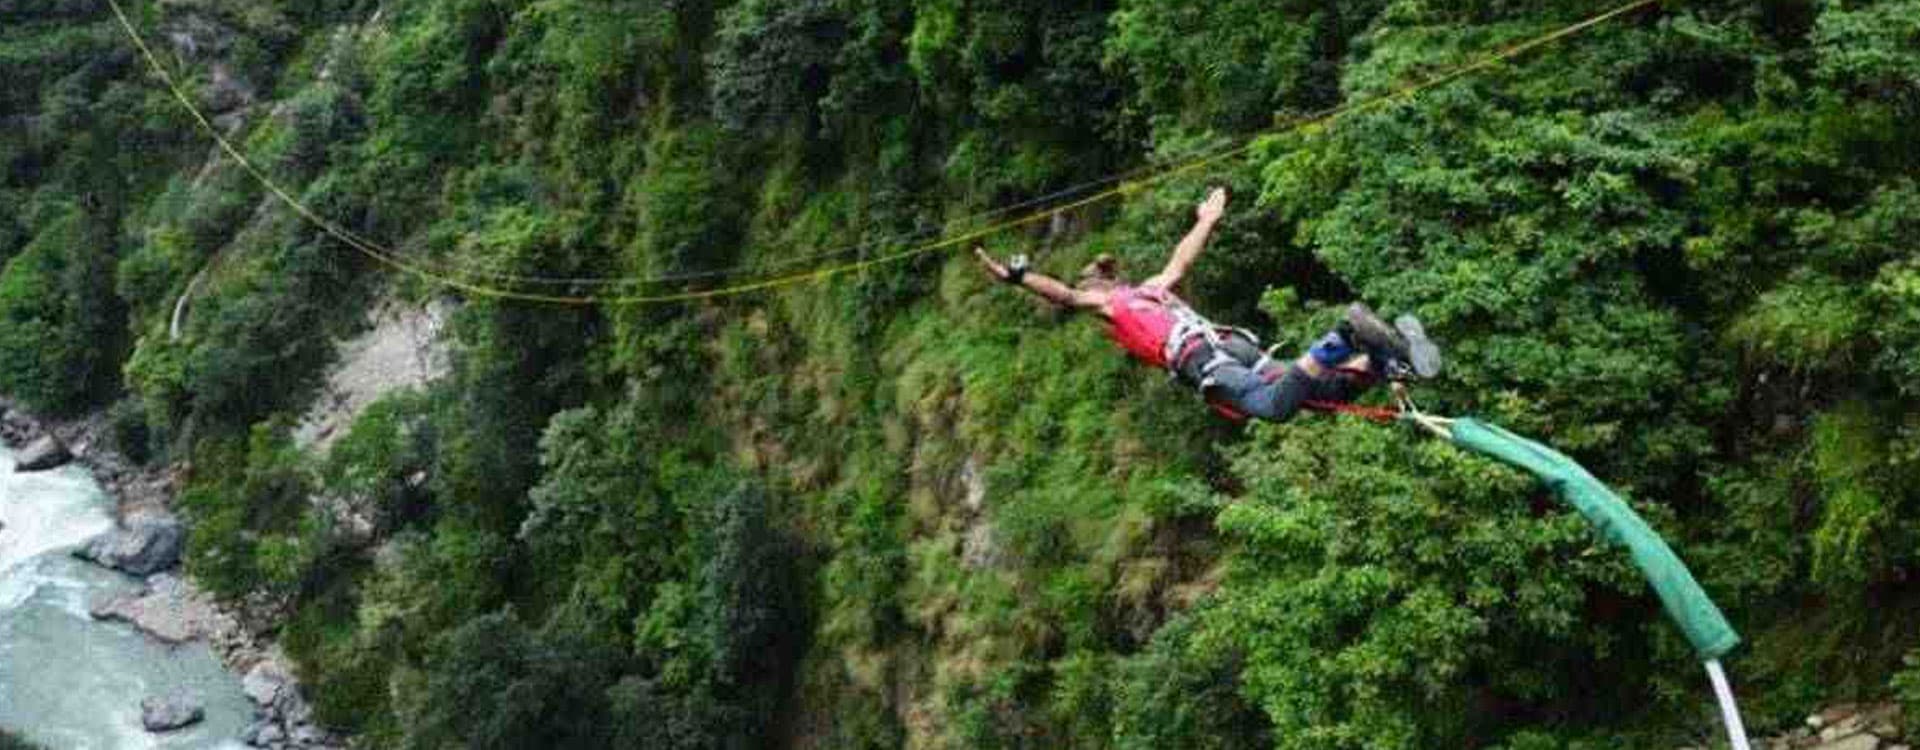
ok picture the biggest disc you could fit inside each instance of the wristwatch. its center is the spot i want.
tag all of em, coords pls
(1016, 269)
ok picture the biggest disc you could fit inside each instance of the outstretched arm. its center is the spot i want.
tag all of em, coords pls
(1047, 287)
(1207, 215)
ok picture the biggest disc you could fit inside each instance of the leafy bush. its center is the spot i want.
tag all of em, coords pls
(1897, 328)
(248, 508)
(756, 626)
(1677, 246)
(1809, 325)
(128, 421)
(59, 320)
(1386, 588)
(1869, 47)
(686, 220)
(32, 339)
(772, 63)
(587, 71)
(494, 683)
(1866, 528)
(343, 670)
(602, 515)
(1906, 686)
(429, 79)
(377, 467)
(1230, 65)
(1179, 694)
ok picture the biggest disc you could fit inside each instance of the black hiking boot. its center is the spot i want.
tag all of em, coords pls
(1400, 351)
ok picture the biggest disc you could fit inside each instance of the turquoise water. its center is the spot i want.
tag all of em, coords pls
(66, 681)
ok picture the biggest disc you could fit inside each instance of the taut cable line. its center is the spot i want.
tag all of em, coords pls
(394, 261)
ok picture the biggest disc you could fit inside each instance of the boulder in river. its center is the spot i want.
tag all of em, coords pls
(40, 455)
(165, 713)
(265, 683)
(168, 609)
(308, 735)
(264, 733)
(149, 544)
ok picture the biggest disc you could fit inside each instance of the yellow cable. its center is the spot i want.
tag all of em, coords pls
(392, 260)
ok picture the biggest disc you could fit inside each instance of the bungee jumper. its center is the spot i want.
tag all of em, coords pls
(1230, 371)
(1224, 364)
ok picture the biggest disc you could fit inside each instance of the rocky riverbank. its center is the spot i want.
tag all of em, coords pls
(1848, 726)
(146, 545)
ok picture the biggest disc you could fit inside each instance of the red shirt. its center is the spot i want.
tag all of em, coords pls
(1139, 320)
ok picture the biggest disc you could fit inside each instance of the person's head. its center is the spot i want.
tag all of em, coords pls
(1100, 275)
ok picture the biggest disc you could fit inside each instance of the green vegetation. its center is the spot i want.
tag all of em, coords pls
(11, 741)
(906, 507)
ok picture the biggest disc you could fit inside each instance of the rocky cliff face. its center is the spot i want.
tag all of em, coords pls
(401, 349)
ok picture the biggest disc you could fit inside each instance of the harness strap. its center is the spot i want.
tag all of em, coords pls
(1376, 414)
(1186, 325)
(1189, 324)
(1380, 414)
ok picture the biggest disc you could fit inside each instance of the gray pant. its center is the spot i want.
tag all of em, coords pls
(1273, 393)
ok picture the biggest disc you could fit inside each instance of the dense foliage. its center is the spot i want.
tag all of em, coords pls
(906, 507)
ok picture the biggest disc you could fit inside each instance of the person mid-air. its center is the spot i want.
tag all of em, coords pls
(1225, 364)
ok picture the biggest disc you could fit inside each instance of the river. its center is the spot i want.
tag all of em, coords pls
(66, 681)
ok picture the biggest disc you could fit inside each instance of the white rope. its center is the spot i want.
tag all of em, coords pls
(1729, 711)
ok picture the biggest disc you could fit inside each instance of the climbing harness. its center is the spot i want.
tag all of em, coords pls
(1189, 328)
(1192, 330)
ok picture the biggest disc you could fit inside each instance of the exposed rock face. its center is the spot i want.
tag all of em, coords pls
(978, 549)
(165, 713)
(42, 454)
(263, 733)
(265, 682)
(1850, 727)
(401, 349)
(150, 543)
(308, 735)
(17, 427)
(284, 718)
(226, 92)
(168, 610)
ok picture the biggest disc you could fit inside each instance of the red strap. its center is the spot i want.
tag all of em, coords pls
(1381, 414)
(1232, 414)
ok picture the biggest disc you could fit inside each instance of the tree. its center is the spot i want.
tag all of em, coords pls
(59, 320)
(494, 684)
(772, 62)
(1399, 594)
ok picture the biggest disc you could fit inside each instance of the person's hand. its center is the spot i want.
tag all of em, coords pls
(1215, 205)
(995, 268)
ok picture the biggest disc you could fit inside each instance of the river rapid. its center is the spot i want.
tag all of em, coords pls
(66, 681)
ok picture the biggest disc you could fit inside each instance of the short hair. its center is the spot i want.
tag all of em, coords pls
(1102, 273)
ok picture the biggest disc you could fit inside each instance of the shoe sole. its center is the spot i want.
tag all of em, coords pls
(1425, 354)
(1368, 326)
